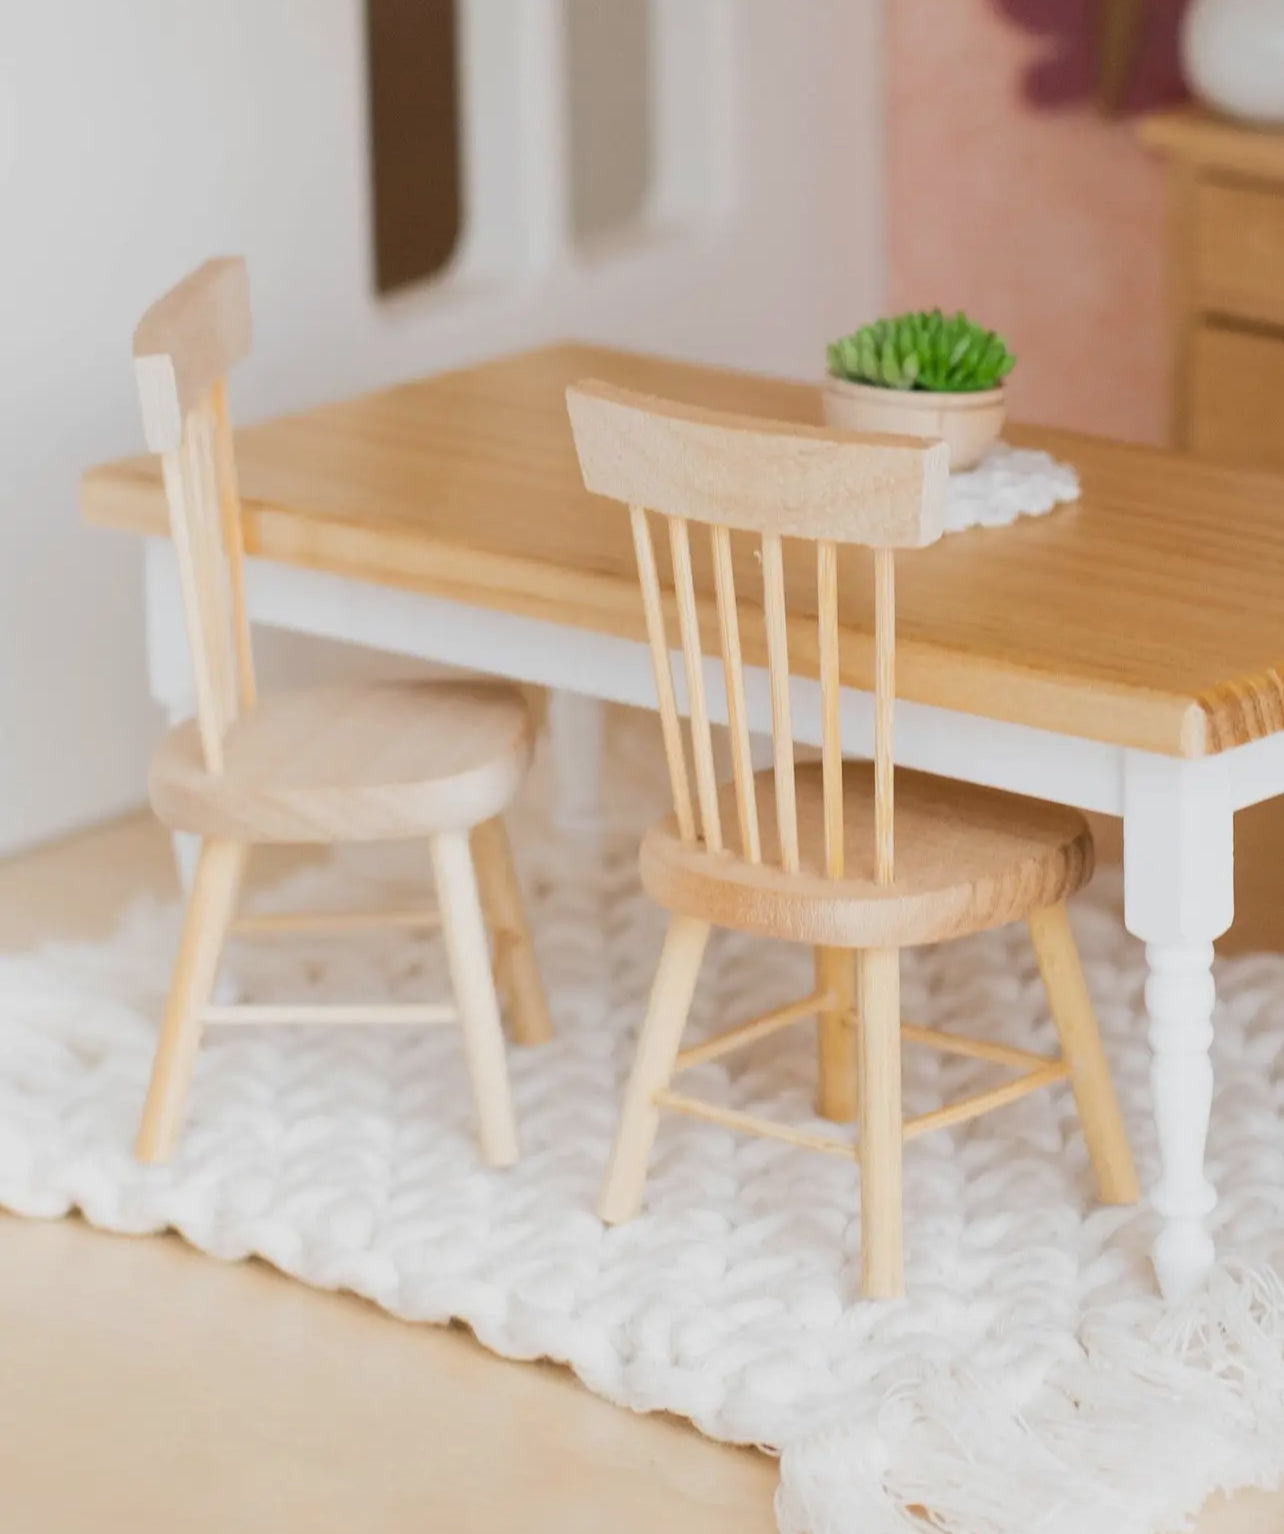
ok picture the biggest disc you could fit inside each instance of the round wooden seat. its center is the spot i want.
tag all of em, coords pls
(355, 763)
(967, 859)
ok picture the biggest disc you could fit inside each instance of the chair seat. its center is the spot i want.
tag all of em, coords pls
(353, 763)
(967, 859)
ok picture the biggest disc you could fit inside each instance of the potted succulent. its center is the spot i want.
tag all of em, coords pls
(922, 375)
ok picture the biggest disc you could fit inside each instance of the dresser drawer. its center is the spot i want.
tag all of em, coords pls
(1236, 397)
(1238, 255)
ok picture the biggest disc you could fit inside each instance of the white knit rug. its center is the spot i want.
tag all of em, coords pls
(1031, 1384)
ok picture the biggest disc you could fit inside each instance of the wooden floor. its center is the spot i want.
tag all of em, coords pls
(144, 1388)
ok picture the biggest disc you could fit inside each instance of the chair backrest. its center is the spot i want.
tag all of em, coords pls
(184, 347)
(775, 480)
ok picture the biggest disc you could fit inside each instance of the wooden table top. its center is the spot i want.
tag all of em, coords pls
(1148, 614)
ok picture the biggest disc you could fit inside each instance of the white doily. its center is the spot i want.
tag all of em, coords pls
(1009, 482)
(1032, 1380)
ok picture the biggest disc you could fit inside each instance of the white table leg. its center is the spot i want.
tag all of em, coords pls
(577, 736)
(1178, 897)
(187, 849)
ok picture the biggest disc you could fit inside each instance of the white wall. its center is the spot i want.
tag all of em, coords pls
(139, 136)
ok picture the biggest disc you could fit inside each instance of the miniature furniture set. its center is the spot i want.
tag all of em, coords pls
(1062, 658)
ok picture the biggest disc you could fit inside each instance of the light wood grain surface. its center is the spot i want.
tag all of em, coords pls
(1146, 615)
(1238, 235)
(186, 342)
(356, 762)
(730, 470)
(1236, 395)
(1214, 143)
(968, 859)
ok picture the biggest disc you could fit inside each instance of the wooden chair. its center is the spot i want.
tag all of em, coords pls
(805, 852)
(439, 760)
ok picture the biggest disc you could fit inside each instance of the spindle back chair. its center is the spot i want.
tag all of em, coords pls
(438, 760)
(792, 856)
(184, 347)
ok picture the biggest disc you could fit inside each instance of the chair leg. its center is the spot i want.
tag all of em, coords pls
(666, 1016)
(838, 1097)
(1094, 1092)
(880, 1131)
(210, 906)
(468, 956)
(506, 913)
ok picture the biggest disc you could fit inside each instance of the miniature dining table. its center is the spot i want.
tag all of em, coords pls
(1124, 654)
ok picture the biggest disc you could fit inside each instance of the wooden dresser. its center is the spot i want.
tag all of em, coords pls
(1226, 278)
(1226, 263)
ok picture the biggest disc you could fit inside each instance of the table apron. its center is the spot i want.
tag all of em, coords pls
(1019, 758)
(1088, 774)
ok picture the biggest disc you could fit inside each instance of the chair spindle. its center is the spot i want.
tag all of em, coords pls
(884, 712)
(233, 542)
(831, 724)
(670, 724)
(187, 556)
(211, 566)
(737, 714)
(782, 739)
(701, 734)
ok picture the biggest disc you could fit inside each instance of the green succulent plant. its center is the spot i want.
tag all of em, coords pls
(950, 355)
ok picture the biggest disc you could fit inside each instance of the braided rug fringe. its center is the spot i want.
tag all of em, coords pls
(1031, 1384)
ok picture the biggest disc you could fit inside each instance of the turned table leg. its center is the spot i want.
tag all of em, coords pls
(1178, 897)
(1179, 999)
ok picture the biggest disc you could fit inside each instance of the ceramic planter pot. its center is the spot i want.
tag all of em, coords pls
(1233, 56)
(969, 423)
